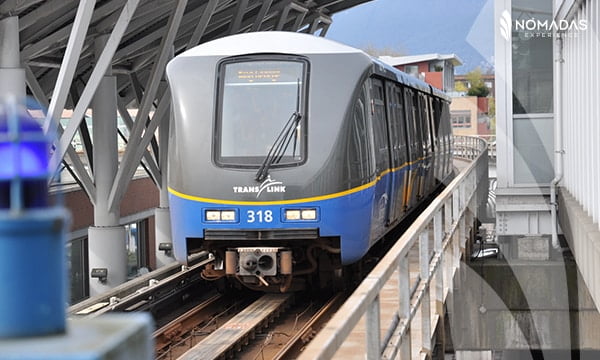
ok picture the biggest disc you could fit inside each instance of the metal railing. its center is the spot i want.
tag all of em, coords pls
(448, 220)
(464, 145)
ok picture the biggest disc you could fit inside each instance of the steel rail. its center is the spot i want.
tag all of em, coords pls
(302, 336)
(134, 291)
(183, 324)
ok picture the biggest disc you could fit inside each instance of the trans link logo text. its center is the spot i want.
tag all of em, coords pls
(269, 185)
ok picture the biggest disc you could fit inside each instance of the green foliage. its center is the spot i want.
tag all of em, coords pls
(478, 87)
(492, 114)
(460, 86)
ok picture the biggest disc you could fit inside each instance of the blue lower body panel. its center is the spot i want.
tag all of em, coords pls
(347, 217)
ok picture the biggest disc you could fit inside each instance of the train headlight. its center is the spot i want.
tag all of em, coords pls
(220, 215)
(292, 214)
(300, 214)
(228, 215)
(213, 215)
(309, 214)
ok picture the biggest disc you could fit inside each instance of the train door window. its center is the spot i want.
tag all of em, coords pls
(402, 142)
(433, 124)
(381, 142)
(396, 125)
(261, 105)
(418, 125)
(410, 122)
(425, 129)
(358, 146)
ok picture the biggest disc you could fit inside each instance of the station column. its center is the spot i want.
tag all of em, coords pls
(11, 73)
(107, 250)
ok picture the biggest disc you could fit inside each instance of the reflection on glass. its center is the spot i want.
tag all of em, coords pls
(532, 58)
(258, 98)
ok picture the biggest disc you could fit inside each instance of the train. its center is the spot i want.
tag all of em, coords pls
(291, 155)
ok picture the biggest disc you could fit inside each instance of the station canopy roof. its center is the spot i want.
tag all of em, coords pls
(45, 28)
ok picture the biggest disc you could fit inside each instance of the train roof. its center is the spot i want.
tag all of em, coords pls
(385, 69)
(285, 42)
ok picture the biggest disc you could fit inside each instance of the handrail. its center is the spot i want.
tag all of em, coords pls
(465, 146)
(447, 219)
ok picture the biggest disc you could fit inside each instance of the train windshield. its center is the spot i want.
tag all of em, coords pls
(257, 98)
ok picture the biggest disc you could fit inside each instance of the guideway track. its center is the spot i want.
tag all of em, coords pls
(228, 337)
(144, 291)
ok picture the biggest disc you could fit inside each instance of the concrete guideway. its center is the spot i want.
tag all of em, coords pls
(412, 300)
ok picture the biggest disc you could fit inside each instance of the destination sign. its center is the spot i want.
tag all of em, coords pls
(259, 75)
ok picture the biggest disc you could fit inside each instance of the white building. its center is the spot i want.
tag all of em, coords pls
(548, 124)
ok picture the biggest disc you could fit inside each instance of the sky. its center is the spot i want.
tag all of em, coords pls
(413, 27)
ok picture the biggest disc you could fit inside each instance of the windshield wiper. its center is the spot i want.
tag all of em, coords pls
(279, 146)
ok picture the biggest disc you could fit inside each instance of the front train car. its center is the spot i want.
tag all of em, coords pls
(268, 170)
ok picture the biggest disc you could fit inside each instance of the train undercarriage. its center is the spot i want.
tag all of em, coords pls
(274, 265)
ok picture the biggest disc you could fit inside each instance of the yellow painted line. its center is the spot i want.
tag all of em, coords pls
(287, 202)
(280, 202)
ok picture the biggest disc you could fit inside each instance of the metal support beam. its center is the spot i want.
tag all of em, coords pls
(105, 154)
(127, 169)
(264, 8)
(131, 158)
(107, 237)
(78, 172)
(282, 18)
(69, 64)
(84, 133)
(139, 95)
(207, 14)
(104, 61)
(320, 22)
(239, 15)
(149, 162)
(11, 73)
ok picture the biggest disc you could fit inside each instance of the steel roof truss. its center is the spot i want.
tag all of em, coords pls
(83, 176)
(207, 14)
(131, 158)
(266, 5)
(69, 63)
(102, 64)
(150, 165)
(126, 169)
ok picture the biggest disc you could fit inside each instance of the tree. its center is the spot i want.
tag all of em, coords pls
(460, 86)
(478, 87)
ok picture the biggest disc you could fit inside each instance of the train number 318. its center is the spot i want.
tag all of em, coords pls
(260, 216)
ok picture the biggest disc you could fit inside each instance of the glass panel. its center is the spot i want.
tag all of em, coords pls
(132, 244)
(358, 147)
(532, 58)
(258, 99)
(533, 141)
(77, 259)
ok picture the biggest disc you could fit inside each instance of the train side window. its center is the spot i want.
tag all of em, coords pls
(358, 147)
(381, 142)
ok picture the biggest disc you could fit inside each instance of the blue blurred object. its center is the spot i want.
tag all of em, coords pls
(23, 160)
(32, 234)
